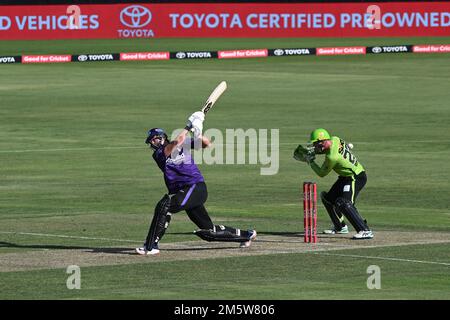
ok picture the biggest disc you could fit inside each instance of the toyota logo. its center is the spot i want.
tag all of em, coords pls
(82, 58)
(181, 55)
(278, 52)
(376, 49)
(135, 16)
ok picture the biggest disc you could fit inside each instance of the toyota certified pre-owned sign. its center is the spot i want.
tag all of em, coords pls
(230, 20)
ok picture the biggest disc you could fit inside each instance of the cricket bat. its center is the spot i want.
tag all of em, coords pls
(214, 96)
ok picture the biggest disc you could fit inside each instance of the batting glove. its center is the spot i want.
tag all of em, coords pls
(195, 120)
(197, 115)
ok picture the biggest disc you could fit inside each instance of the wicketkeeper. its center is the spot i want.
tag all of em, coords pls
(186, 188)
(340, 200)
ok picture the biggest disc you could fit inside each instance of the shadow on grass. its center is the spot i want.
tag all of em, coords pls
(130, 250)
(111, 250)
(205, 248)
(66, 247)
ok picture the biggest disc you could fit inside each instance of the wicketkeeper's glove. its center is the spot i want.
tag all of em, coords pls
(310, 158)
(304, 154)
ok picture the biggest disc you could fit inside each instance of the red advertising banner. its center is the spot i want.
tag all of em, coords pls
(47, 58)
(251, 53)
(340, 51)
(382, 19)
(142, 56)
(432, 48)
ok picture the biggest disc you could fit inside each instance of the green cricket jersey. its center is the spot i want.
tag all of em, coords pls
(340, 159)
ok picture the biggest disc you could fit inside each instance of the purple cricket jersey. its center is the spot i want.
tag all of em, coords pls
(179, 171)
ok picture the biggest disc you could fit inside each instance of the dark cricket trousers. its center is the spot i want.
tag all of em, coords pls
(347, 187)
(191, 199)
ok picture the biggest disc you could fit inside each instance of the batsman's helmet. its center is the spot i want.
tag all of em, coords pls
(319, 135)
(155, 132)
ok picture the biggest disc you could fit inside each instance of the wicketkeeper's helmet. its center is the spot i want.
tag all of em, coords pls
(319, 135)
(155, 132)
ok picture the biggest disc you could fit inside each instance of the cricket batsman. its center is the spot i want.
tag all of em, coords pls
(339, 201)
(186, 188)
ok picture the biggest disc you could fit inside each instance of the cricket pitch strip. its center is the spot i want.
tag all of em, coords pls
(265, 244)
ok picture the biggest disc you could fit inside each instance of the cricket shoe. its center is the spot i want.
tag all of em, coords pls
(362, 235)
(143, 251)
(344, 230)
(248, 243)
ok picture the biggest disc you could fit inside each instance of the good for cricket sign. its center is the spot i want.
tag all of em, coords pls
(225, 20)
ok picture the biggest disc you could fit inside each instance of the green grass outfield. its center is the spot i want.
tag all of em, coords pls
(75, 173)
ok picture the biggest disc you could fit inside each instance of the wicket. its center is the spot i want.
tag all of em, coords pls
(310, 211)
